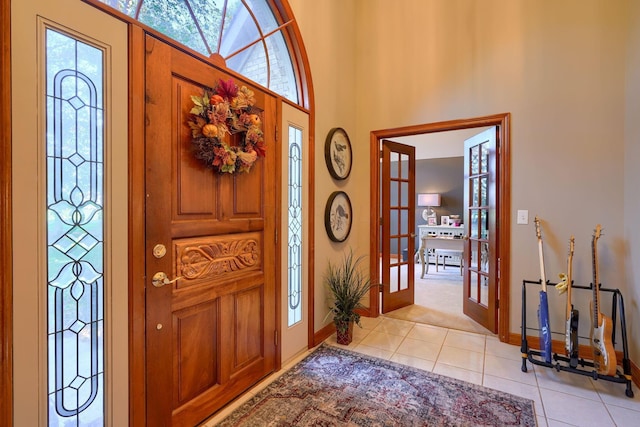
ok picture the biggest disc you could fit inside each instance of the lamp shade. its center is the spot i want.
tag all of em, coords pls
(428, 199)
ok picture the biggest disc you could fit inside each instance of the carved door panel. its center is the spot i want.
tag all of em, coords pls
(211, 331)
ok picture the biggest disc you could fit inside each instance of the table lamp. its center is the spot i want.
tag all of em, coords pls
(428, 200)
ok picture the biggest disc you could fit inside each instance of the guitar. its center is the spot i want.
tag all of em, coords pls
(604, 355)
(572, 315)
(543, 308)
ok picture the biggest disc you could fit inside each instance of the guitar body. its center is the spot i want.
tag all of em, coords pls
(604, 355)
(545, 330)
(572, 315)
(571, 337)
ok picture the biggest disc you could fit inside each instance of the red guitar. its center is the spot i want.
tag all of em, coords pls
(604, 355)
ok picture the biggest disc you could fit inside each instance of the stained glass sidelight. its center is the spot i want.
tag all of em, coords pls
(294, 263)
(75, 231)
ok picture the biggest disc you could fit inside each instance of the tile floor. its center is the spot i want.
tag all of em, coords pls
(561, 398)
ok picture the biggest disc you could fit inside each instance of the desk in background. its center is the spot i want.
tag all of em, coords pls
(447, 245)
(440, 230)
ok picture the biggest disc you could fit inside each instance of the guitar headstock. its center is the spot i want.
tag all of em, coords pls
(597, 232)
(537, 223)
(572, 241)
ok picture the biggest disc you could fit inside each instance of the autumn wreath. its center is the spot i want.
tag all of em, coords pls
(227, 110)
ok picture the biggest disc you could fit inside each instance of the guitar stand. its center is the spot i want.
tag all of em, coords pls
(584, 367)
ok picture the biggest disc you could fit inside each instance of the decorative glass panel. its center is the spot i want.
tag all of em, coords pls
(484, 224)
(295, 227)
(244, 33)
(484, 257)
(484, 162)
(475, 159)
(475, 192)
(483, 191)
(75, 231)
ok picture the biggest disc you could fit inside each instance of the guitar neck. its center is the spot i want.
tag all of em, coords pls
(543, 276)
(569, 277)
(596, 277)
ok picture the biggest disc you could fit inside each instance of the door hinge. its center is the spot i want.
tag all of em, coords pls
(275, 337)
(498, 268)
(276, 133)
(497, 304)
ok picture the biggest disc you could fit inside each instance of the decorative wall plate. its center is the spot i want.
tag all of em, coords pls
(338, 216)
(337, 153)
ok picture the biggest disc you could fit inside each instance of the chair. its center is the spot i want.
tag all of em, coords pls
(452, 253)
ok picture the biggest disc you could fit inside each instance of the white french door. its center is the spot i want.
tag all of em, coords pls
(69, 82)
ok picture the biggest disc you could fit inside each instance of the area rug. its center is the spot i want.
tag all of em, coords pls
(336, 387)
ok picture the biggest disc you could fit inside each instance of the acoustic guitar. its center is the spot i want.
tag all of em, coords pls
(543, 307)
(572, 315)
(604, 355)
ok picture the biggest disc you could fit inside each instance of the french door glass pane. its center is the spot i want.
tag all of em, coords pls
(484, 162)
(75, 236)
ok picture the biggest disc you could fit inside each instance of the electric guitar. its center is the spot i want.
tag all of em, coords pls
(604, 355)
(572, 315)
(543, 308)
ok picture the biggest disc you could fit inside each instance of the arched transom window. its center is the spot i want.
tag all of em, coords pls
(246, 34)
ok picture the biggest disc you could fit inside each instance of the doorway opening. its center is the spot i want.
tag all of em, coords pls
(500, 246)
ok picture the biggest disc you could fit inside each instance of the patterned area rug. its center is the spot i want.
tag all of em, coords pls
(336, 387)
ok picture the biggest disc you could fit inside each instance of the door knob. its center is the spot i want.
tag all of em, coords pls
(160, 279)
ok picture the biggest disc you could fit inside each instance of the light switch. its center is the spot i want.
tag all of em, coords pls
(523, 217)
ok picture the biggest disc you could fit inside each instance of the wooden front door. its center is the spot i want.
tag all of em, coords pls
(398, 225)
(480, 264)
(210, 333)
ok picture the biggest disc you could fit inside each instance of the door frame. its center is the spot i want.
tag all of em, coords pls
(6, 221)
(503, 200)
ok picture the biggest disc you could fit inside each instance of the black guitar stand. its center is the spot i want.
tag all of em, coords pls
(585, 367)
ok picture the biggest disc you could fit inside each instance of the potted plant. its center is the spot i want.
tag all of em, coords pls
(347, 285)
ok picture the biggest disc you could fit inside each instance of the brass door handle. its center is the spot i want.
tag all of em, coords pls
(160, 279)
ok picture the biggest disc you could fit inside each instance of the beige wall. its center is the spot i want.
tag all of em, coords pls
(329, 34)
(558, 67)
(632, 179)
